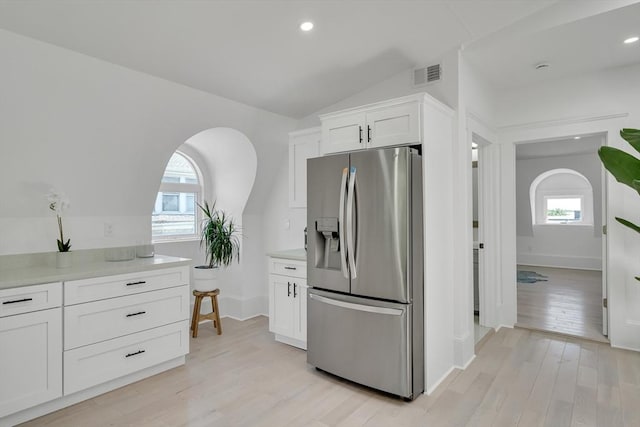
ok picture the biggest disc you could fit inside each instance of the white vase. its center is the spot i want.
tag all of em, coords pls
(205, 279)
(63, 259)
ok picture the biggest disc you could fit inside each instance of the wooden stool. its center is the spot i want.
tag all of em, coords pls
(214, 315)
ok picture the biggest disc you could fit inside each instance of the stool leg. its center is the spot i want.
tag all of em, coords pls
(193, 316)
(214, 303)
(196, 316)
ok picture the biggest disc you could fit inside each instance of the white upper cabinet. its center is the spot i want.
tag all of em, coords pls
(397, 125)
(303, 145)
(389, 123)
(344, 133)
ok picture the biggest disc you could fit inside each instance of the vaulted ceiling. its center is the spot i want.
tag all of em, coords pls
(254, 52)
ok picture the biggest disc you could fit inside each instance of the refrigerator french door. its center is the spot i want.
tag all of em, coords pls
(364, 267)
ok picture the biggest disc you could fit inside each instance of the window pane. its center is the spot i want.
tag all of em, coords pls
(170, 202)
(179, 169)
(174, 215)
(562, 210)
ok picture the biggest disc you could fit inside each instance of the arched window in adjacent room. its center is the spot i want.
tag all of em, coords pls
(561, 196)
(175, 212)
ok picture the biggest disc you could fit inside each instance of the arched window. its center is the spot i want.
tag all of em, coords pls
(561, 196)
(175, 213)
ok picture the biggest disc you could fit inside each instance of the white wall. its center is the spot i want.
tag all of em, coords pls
(602, 102)
(103, 134)
(401, 84)
(571, 246)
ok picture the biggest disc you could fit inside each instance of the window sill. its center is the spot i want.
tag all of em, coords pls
(568, 224)
(175, 240)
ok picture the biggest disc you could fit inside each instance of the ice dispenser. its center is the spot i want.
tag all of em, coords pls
(328, 247)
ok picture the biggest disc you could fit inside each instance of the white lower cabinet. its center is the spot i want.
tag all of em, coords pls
(30, 355)
(95, 364)
(288, 302)
(117, 329)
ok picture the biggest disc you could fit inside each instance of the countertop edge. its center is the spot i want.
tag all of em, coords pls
(21, 277)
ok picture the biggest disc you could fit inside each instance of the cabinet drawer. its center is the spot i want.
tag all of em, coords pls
(288, 267)
(98, 363)
(30, 298)
(85, 290)
(103, 320)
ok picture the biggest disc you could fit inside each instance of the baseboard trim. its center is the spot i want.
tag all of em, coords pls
(572, 263)
(440, 381)
(72, 399)
(466, 365)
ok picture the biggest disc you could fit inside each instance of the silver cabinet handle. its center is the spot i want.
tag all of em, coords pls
(290, 268)
(358, 307)
(341, 225)
(350, 207)
(294, 290)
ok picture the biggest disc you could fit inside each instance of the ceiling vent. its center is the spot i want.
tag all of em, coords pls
(427, 75)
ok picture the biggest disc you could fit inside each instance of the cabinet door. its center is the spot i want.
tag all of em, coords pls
(30, 359)
(344, 133)
(303, 145)
(281, 305)
(300, 332)
(395, 125)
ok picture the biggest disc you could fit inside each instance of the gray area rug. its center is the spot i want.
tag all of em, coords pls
(530, 277)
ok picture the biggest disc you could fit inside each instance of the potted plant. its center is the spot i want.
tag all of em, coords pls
(624, 167)
(219, 239)
(59, 203)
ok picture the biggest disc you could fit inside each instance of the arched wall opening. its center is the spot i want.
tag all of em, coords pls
(572, 193)
(228, 164)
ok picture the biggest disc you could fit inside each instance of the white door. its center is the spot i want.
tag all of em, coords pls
(397, 125)
(488, 234)
(344, 133)
(281, 305)
(30, 359)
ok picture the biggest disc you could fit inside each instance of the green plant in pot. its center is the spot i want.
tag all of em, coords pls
(221, 245)
(624, 167)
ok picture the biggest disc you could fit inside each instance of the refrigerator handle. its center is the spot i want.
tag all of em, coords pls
(350, 231)
(342, 229)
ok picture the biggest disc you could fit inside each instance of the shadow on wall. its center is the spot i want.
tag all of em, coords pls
(229, 164)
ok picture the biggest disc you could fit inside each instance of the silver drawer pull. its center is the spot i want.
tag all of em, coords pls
(290, 268)
(141, 282)
(136, 314)
(17, 301)
(135, 354)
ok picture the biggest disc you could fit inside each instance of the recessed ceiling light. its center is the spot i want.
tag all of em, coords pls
(631, 40)
(543, 66)
(577, 137)
(306, 26)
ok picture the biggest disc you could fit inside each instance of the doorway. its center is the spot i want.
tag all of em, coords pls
(560, 202)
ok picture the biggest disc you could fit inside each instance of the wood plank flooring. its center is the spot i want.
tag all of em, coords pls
(245, 378)
(570, 302)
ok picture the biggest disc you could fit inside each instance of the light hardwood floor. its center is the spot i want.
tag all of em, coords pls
(569, 302)
(245, 378)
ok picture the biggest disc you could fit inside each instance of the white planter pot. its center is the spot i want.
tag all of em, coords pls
(205, 279)
(63, 259)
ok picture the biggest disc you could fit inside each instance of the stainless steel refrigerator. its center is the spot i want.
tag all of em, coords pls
(365, 268)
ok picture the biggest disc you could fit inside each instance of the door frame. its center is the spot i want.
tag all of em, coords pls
(488, 219)
(548, 130)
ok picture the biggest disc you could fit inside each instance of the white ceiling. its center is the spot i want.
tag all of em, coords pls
(253, 51)
(581, 46)
(587, 144)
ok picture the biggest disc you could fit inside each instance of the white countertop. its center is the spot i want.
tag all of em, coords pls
(295, 254)
(29, 274)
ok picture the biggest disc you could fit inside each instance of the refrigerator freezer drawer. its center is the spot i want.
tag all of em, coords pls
(363, 340)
